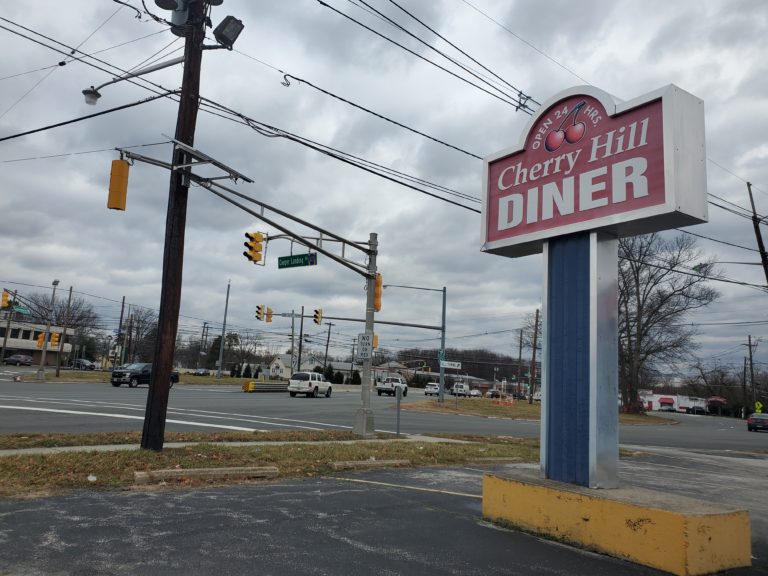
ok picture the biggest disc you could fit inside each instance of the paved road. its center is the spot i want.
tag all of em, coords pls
(424, 521)
(58, 407)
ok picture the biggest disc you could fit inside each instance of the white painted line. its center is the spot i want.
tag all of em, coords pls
(417, 488)
(130, 417)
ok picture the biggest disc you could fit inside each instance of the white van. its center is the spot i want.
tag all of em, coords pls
(460, 389)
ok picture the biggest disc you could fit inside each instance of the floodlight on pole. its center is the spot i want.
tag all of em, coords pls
(92, 94)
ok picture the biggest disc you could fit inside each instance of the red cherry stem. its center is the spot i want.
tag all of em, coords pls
(573, 113)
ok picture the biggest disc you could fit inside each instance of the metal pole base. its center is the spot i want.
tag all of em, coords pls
(364, 423)
(40, 374)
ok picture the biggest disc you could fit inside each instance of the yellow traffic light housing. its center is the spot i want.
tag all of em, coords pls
(118, 185)
(318, 318)
(269, 314)
(40, 341)
(255, 246)
(375, 341)
(6, 299)
(55, 339)
(260, 312)
(378, 288)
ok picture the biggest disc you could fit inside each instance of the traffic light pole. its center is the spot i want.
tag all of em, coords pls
(364, 417)
(175, 224)
(41, 370)
(8, 326)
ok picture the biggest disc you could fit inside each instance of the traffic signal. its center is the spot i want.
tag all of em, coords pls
(269, 314)
(375, 341)
(318, 316)
(6, 299)
(255, 246)
(55, 339)
(118, 185)
(260, 312)
(40, 340)
(378, 287)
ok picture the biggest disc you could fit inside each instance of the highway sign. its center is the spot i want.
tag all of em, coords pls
(364, 345)
(453, 365)
(295, 260)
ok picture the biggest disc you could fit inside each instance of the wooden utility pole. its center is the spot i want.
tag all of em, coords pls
(751, 371)
(175, 224)
(758, 235)
(519, 362)
(532, 380)
(327, 341)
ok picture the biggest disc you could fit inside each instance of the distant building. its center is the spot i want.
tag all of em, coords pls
(22, 339)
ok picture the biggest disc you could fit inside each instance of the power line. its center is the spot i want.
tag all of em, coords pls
(524, 41)
(48, 156)
(517, 105)
(436, 33)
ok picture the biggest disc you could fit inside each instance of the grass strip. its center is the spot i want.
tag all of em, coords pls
(518, 410)
(42, 475)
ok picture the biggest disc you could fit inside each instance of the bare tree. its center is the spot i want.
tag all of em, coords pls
(82, 317)
(660, 281)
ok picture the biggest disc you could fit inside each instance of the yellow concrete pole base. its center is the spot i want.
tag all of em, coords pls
(665, 531)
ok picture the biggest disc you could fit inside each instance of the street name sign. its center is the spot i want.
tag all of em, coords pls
(296, 260)
(452, 365)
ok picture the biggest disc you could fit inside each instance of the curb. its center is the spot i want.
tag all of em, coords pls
(206, 473)
(366, 464)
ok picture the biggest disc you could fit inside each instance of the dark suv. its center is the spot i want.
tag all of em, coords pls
(135, 374)
(19, 359)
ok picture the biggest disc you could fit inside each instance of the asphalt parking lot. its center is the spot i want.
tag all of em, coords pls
(406, 521)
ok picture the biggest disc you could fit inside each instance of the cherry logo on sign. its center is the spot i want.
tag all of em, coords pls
(571, 134)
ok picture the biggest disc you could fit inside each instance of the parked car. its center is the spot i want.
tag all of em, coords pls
(18, 359)
(493, 393)
(201, 372)
(757, 422)
(311, 384)
(667, 408)
(83, 364)
(696, 410)
(136, 374)
(475, 393)
(432, 389)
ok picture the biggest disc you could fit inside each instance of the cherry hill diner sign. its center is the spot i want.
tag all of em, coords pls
(589, 163)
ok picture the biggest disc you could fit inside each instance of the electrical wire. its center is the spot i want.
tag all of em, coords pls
(48, 156)
(51, 71)
(436, 33)
(517, 105)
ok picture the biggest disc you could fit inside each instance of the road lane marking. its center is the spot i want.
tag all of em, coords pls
(131, 417)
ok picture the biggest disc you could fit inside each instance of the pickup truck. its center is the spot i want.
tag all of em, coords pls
(390, 384)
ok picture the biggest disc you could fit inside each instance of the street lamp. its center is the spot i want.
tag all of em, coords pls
(441, 395)
(41, 370)
(92, 94)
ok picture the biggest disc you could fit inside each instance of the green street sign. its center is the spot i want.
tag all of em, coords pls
(21, 309)
(296, 260)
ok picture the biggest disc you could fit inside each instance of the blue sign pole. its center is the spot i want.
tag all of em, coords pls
(579, 411)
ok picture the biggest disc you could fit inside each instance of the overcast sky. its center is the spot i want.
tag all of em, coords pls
(54, 223)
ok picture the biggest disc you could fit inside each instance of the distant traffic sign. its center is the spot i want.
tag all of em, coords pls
(452, 365)
(295, 260)
(21, 309)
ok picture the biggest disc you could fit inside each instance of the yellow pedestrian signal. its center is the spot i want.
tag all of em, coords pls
(269, 314)
(378, 287)
(6, 299)
(318, 316)
(255, 246)
(55, 339)
(375, 341)
(41, 341)
(260, 312)
(118, 185)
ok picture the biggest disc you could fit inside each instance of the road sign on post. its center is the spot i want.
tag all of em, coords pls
(452, 365)
(296, 260)
(364, 346)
